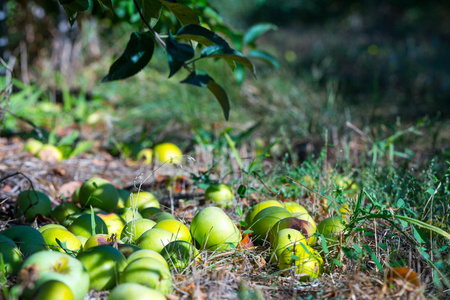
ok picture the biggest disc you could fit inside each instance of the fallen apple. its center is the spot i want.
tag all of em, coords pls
(312, 239)
(331, 228)
(180, 231)
(60, 212)
(134, 229)
(99, 192)
(28, 239)
(304, 260)
(30, 203)
(265, 219)
(149, 212)
(114, 222)
(59, 239)
(83, 226)
(258, 207)
(149, 272)
(33, 146)
(48, 226)
(168, 153)
(295, 208)
(54, 290)
(161, 216)
(70, 218)
(135, 291)
(306, 228)
(155, 239)
(128, 214)
(123, 196)
(50, 153)
(141, 200)
(220, 194)
(212, 229)
(147, 253)
(145, 156)
(285, 238)
(11, 256)
(104, 264)
(100, 239)
(180, 254)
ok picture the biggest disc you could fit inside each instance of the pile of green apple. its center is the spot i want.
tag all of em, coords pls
(107, 239)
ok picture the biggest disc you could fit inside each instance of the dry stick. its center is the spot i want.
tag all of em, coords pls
(155, 34)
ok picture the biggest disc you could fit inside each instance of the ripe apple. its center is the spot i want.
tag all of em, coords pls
(28, 239)
(59, 266)
(82, 225)
(123, 196)
(141, 200)
(286, 238)
(65, 237)
(145, 156)
(147, 253)
(155, 239)
(50, 153)
(134, 229)
(100, 239)
(31, 203)
(212, 229)
(168, 153)
(135, 291)
(305, 227)
(180, 254)
(295, 208)
(180, 231)
(128, 249)
(60, 212)
(220, 194)
(33, 146)
(11, 255)
(54, 290)
(149, 212)
(265, 219)
(128, 214)
(114, 222)
(258, 207)
(331, 228)
(104, 264)
(99, 192)
(149, 272)
(306, 261)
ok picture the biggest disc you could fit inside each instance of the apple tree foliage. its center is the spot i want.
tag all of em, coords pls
(192, 33)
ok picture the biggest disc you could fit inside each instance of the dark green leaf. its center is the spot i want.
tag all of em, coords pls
(241, 191)
(151, 9)
(177, 54)
(198, 78)
(247, 231)
(107, 3)
(137, 54)
(337, 262)
(227, 53)
(255, 31)
(267, 58)
(324, 244)
(183, 13)
(73, 7)
(235, 37)
(201, 35)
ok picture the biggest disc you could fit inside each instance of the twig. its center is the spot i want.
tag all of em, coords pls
(155, 34)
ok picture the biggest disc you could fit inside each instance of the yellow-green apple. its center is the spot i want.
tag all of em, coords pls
(104, 264)
(331, 228)
(149, 272)
(304, 260)
(128, 214)
(180, 231)
(212, 229)
(180, 254)
(128, 249)
(265, 219)
(155, 239)
(99, 192)
(295, 208)
(30, 203)
(145, 156)
(141, 200)
(135, 291)
(60, 212)
(28, 239)
(305, 227)
(147, 253)
(54, 290)
(220, 194)
(60, 266)
(50, 153)
(258, 207)
(47, 226)
(123, 196)
(114, 222)
(66, 240)
(10, 254)
(134, 229)
(33, 146)
(100, 239)
(168, 153)
(83, 226)
(285, 238)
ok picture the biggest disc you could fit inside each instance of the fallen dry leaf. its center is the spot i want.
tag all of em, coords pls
(405, 274)
(66, 190)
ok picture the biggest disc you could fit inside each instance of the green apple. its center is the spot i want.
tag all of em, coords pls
(99, 239)
(30, 203)
(331, 228)
(76, 196)
(66, 239)
(161, 217)
(296, 208)
(155, 239)
(168, 153)
(286, 238)
(147, 253)
(141, 200)
(104, 264)
(304, 260)
(50, 153)
(114, 222)
(27, 238)
(149, 212)
(220, 194)
(145, 156)
(135, 291)
(265, 219)
(60, 212)
(123, 196)
(258, 207)
(128, 214)
(47, 226)
(180, 254)
(212, 229)
(149, 272)
(52, 265)
(99, 192)
(54, 290)
(10, 254)
(128, 249)
(72, 217)
(305, 227)
(83, 226)
(134, 229)
(33, 146)
(180, 230)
